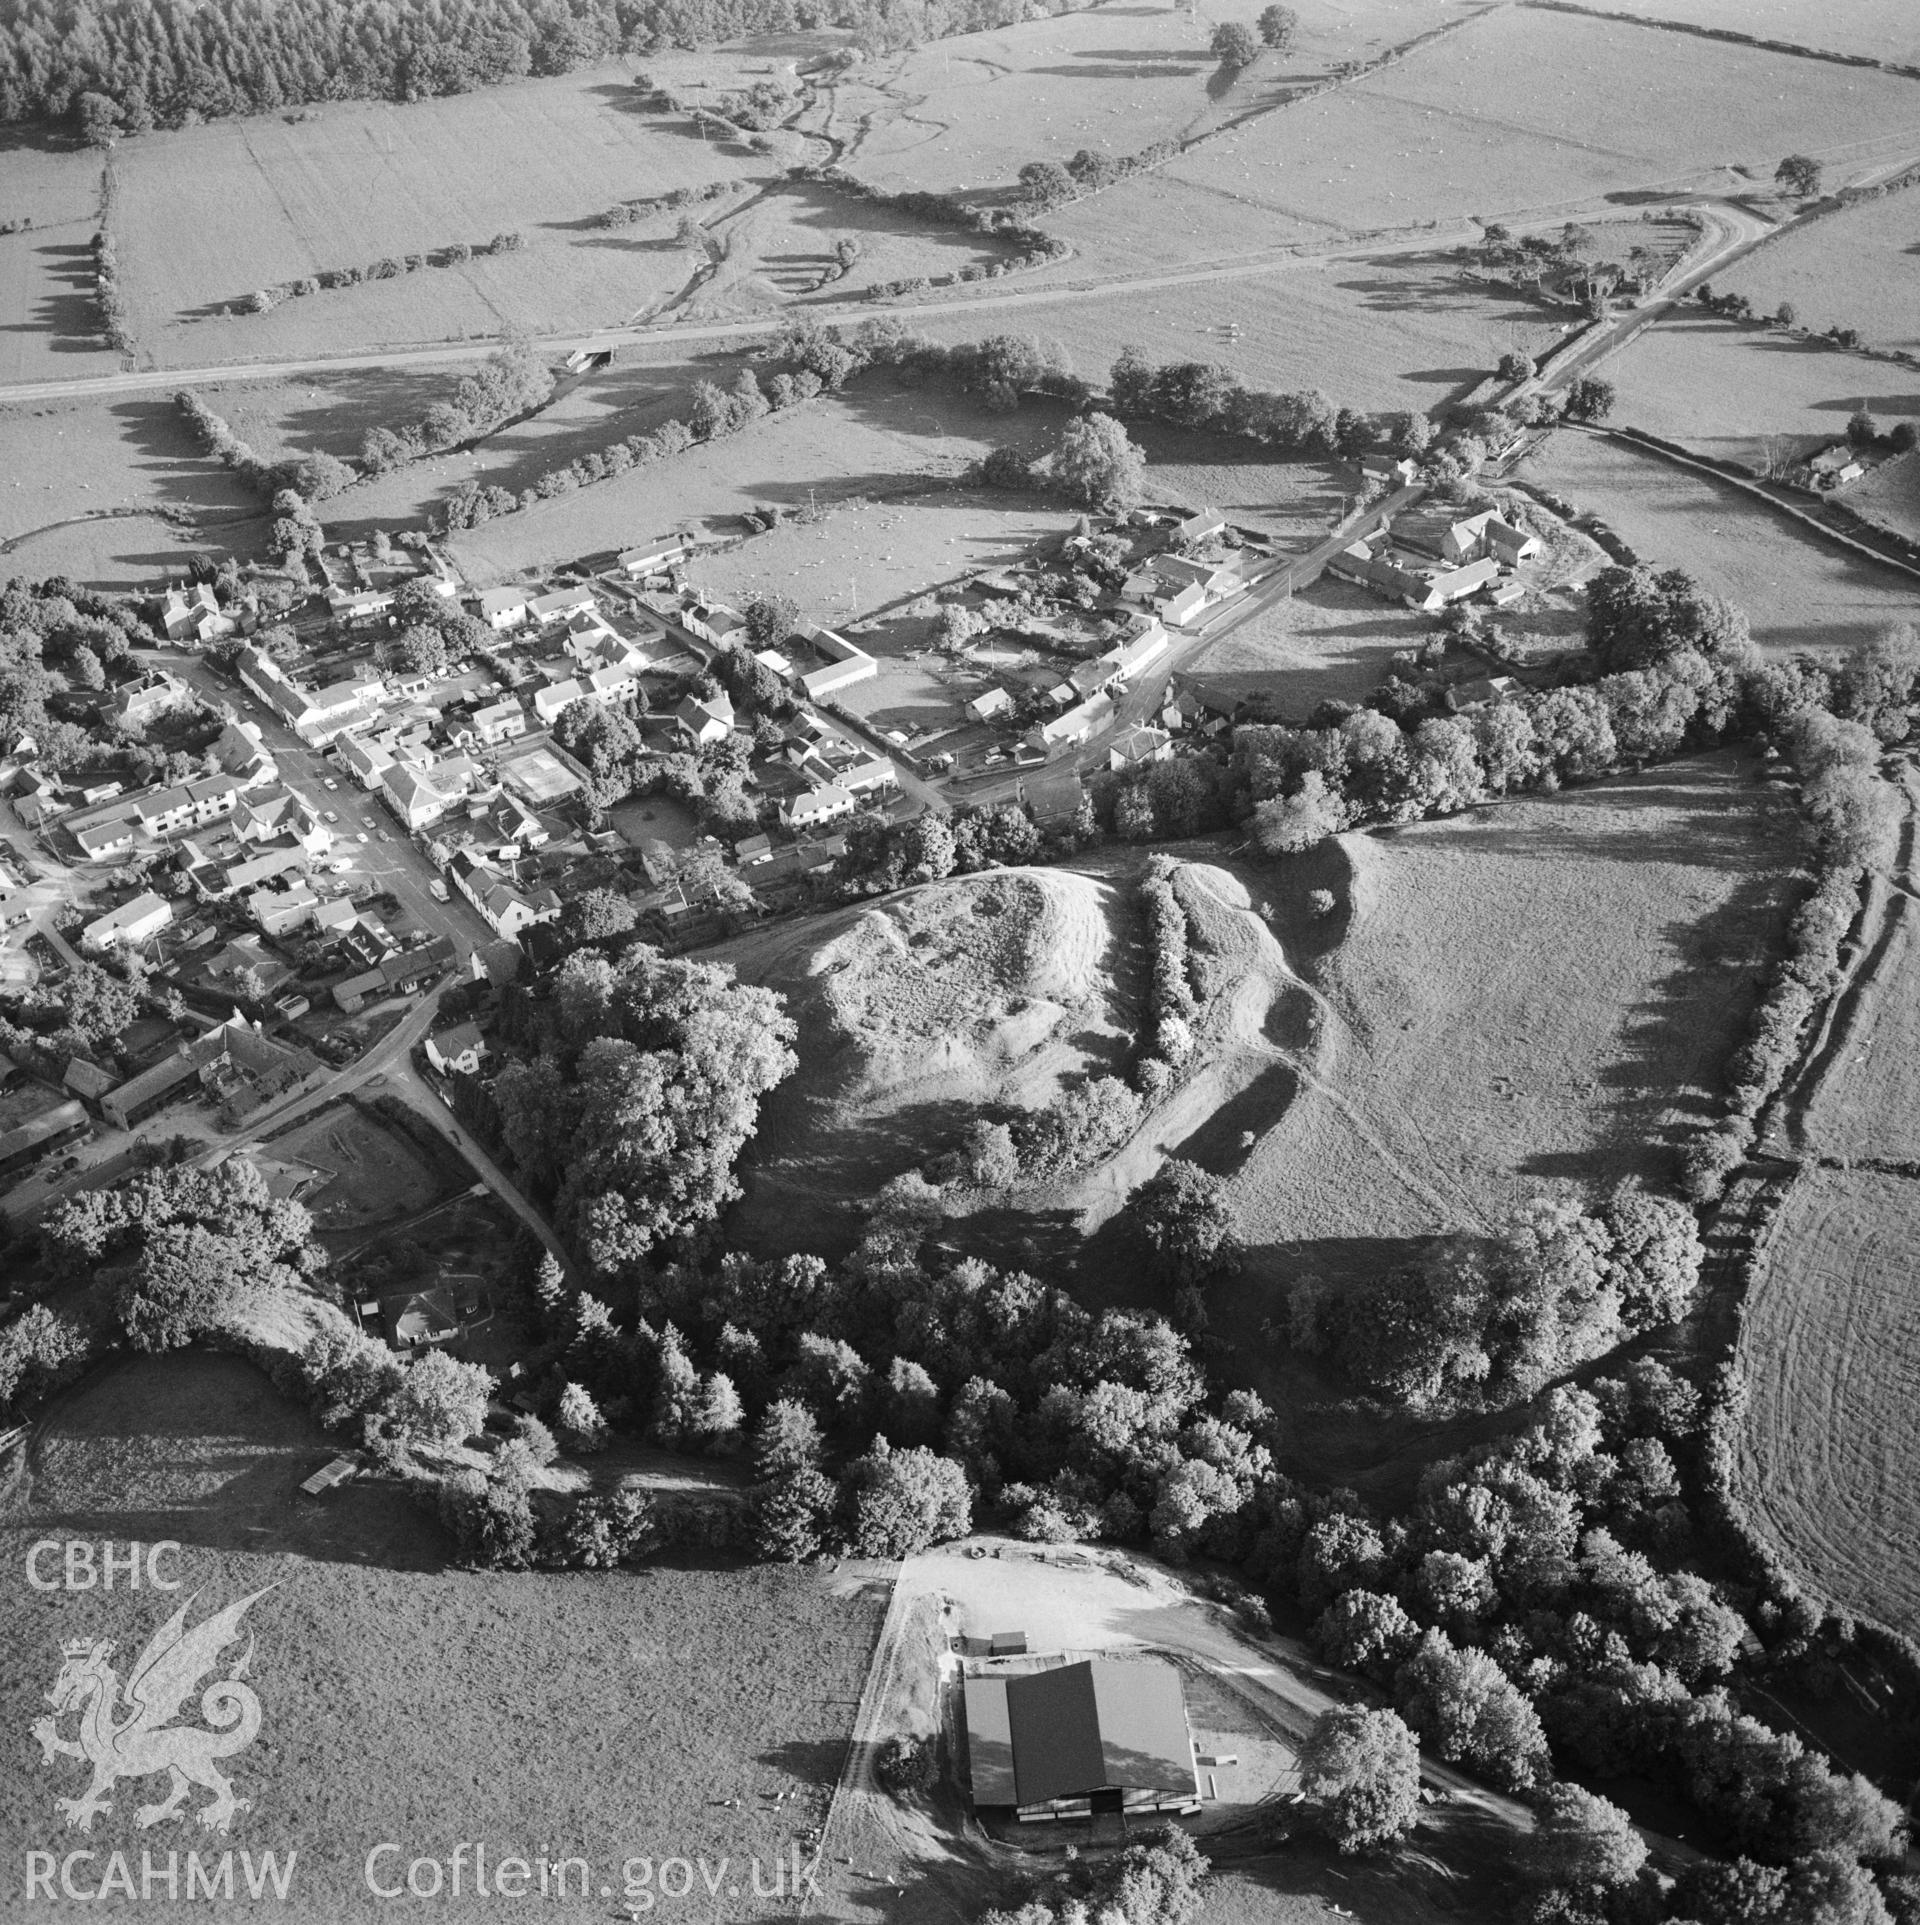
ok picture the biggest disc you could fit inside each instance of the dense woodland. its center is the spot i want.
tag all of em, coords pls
(172, 63)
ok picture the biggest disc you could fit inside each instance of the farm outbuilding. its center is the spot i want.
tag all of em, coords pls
(1064, 1742)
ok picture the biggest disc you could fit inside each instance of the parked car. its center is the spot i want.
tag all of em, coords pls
(331, 783)
(331, 815)
(438, 890)
(366, 821)
(363, 835)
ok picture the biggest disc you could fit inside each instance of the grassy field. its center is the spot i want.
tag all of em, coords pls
(70, 462)
(1857, 268)
(208, 214)
(912, 1014)
(1330, 642)
(877, 441)
(1885, 29)
(1829, 1457)
(48, 329)
(606, 1716)
(1798, 591)
(1741, 393)
(1513, 113)
(1890, 495)
(1541, 993)
(1393, 332)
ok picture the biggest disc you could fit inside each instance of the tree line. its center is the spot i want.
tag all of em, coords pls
(132, 65)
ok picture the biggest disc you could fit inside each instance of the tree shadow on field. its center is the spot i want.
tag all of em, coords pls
(165, 450)
(67, 317)
(203, 1450)
(814, 1761)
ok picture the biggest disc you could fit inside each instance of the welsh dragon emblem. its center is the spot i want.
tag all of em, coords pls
(124, 1729)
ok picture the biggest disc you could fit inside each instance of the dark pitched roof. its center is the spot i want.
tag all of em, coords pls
(1075, 1729)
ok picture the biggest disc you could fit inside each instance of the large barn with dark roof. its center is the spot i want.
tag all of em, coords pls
(1101, 1735)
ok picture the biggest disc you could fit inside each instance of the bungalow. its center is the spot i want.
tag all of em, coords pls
(181, 610)
(817, 805)
(107, 831)
(500, 723)
(1073, 725)
(845, 662)
(133, 922)
(1138, 745)
(753, 849)
(561, 605)
(217, 881)
(503, 608)
(989, 703)
(548, 703)
(705, 719)
(457, 1050)
(1396, 470)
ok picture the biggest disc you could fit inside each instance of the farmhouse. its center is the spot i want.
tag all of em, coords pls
(133, 922)
(1834, 467)
(1468, 538)
(1101, 1735)
(712, 621)
(181, 610)
(1200, 527)
(233, 1044)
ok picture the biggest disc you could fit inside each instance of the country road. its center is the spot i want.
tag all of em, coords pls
(1292, 259)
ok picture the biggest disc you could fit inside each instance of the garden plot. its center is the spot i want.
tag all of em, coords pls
(1746, 394)
(377, 1177)
(1858, 268)
(673, 1710)
(1798, 591)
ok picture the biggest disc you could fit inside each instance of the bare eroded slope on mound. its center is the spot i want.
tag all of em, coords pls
(912, 1013)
